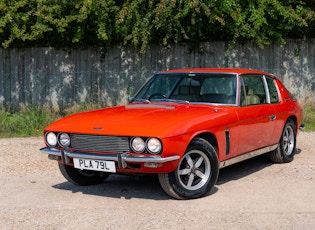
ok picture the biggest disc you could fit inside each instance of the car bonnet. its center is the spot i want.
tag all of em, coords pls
(155, 119)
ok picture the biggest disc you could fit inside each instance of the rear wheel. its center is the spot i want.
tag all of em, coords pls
(196, 174)
(82, 177)
(286, 148)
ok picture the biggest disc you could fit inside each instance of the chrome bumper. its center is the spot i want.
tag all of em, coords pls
(120, 158)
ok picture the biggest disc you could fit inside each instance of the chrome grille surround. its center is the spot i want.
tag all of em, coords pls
(99, 143)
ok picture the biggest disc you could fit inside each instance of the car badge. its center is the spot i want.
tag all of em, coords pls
(97, 128)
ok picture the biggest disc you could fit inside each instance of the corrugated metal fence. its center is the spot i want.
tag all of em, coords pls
(59, 79)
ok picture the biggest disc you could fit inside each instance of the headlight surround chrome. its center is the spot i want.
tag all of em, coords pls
(154, 145)
(137, 144)
(64, 139)
(51, 139)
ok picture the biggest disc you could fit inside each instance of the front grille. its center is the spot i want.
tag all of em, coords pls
(98, 143)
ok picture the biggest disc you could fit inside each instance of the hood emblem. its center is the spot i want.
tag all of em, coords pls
(98, 128)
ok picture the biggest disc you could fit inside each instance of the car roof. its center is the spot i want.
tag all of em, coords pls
(215, 70)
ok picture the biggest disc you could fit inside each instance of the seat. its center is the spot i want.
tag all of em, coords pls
(188, 93)
(251, 98)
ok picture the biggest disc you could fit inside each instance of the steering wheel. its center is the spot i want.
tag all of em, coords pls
(156, 94)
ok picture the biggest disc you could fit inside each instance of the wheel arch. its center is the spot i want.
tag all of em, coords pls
(211, 138)
(197, 171)
(294, 119)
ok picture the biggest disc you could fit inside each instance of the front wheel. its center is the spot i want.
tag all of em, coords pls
(286, 148)
(82, 177)
(196, 173)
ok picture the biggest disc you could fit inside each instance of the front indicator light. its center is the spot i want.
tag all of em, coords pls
(51, 139)
(154, 145)
(138, 145)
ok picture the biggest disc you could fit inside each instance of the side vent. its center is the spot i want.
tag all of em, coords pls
(227, 141)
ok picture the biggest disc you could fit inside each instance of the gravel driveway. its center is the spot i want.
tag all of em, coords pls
(250, 195)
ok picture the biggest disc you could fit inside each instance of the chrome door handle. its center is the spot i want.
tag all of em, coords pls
(273, 117)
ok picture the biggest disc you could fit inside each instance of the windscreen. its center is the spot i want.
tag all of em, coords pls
(203, 87)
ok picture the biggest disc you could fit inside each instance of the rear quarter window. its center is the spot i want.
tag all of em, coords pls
(273, 92)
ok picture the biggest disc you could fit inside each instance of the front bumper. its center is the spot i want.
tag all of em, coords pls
(122, 158)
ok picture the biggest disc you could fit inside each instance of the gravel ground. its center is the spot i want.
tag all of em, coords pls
(250, 195)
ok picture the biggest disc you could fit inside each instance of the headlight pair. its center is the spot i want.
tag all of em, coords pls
(63, 139)
(152, 145)
(137, 144)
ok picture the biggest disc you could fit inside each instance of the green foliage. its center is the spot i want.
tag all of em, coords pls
(32, 121)
(29, 122)
(140, 23)
(309, 117)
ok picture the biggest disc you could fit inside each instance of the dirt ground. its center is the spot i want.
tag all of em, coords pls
(250, 195)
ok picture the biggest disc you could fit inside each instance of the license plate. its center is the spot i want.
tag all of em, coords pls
(96, 165)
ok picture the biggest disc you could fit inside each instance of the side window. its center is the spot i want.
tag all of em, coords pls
(274, 96)
(219, 89)
(253, 90)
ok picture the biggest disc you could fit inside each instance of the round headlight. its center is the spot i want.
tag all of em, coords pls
(154, 145)
(51, 139)
(64, 139)
(137, 144)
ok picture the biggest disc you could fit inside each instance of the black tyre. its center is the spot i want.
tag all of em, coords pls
(286, 149)
(82, 177)
(196, 174)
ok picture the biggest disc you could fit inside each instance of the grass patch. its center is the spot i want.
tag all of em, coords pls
(29, 122)
(309, 117)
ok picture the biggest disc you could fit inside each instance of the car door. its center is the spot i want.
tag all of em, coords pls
(280, 116)
(256, 114)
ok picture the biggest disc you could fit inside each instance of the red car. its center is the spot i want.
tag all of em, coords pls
(184, 125)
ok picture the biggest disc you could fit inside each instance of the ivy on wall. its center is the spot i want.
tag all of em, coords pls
(140, 23)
